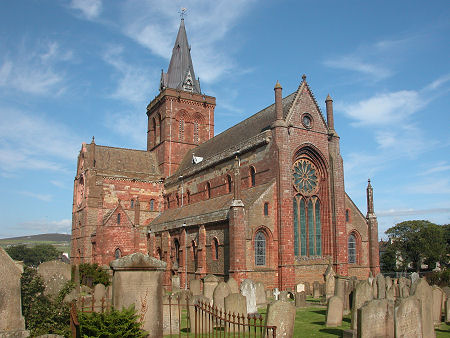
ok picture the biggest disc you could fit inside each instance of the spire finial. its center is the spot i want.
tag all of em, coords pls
(93, 139)
(277, 85)
(304, 77)
(182, 13)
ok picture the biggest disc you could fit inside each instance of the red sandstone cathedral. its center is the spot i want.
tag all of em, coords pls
(264, 199)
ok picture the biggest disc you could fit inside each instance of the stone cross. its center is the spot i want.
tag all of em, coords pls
(276, 293)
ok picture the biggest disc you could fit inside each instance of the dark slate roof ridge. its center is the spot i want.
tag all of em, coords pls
(269, 110)
(119, 148)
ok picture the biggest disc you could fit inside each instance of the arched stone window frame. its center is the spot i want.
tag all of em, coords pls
(268, 246)
(266, 209)
(252, 172)
(152, 205)
(208, 190)
(357, 237)
(118, 218)
(176, 245)
(229, 184)
(117, 253)
(215, 248)
(348, 215)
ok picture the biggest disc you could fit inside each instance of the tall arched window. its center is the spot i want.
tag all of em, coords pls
(306, 210)
(194, 255)
(117, 253)
(352, 249)
(252, 176)
(196, 134)
(159, 136)
(118, 218)
(188, 196)
(154, 132)
(152, 204)
(260, 249)
(208, 190)
(215, 249)
(181, 130)
(177, 251)
(228, 183)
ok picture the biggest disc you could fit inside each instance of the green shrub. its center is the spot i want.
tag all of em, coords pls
(441, 278)
(113, 323)
(91, 274)
(33, 256)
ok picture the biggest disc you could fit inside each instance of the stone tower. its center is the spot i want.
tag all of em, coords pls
(180, 117)
(374, 258)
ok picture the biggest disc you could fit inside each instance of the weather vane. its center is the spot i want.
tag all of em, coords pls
(183, 12)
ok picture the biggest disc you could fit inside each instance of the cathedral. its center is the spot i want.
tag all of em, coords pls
(265, 199)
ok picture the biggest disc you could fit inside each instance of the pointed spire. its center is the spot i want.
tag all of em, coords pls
(330, 118)
(370, 209)
(180, 74)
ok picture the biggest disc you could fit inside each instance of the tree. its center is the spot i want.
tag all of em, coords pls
(91, 274)
(418, 241)
(389, 258)
(33, 256)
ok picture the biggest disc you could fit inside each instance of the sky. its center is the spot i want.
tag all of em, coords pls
(73, 69)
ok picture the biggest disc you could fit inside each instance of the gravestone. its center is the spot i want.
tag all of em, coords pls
(370, 279)
(376, 319)
(339, 289)
(99, 294)
(447, 310)
(408, 318)
(249, 291)
(334, 311)
(282, 315)
(375, 288)
(171, 321)
(424, 293)
(138, 280)
(300, 299)
(221, 291)
(414, 277)
(269, 294)
(437, 305)
(363, 293)
(55, 275)
(446, 289)
(316, 290)
(390, 294)
(184, 296)
(195, 286)
(405, 292)
(11, 319)
(300, 287)
(381, 286)
(389, 282)
(175, 283)
(237, 304)
(284, 296)
(308, 289)
(209, 284)
(234, 287)
(276, 293)
(199, 319)
(260, 294)
(329, 277)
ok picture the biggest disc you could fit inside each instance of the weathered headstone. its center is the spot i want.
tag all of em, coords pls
(195, 286)
(100, 300)
(282, 315)
(138, 281)
(334, 311)
(316, 290)
(329, 277)
(175, 283)
(446, 289)
(389, 282)
(300, 299)
(248, 290)
(209, 284)
(437, 305)
(424, 293)
(405, 292)
(284, 296)
(221, 291)
(390, 294)
(447, 310)
(55, 275)
(260, 294)
(200, 321)
(381, 286)
(234, 287)
(308, 289)
(11, 319)
(300, 287)
(171, 321)
(237, 304)
(408, 318)
(370, 279)
(363, 293)
(376, 319)
(414, 277)
(375, 288)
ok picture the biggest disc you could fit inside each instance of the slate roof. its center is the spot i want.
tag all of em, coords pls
(240, 132)
(180, 64)
(211, 210)
(125, 160)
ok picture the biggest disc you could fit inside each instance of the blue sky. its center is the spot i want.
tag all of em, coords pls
(73, 69)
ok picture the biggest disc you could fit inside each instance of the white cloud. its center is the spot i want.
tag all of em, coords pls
(41, 197)
(133, 84)
(409, 212)
(439, 167)
(34, 71)
(30, 141)
(354, 63)
(90, 9)
(438, 82)
(44, 226)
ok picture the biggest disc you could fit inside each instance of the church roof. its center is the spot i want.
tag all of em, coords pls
(180, 74)
(206, 211)
(124, 160)
(240, 132)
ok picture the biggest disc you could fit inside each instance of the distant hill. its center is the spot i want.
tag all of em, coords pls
(40, 238)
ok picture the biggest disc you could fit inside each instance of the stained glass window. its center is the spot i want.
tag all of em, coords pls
(266, 209)
(311, 229)
(252, 176)
(152, 204)
(117, 253)
(305, 177)
(303, 227)
(351, 249)
(318, 230)
(260, 249)
(296, 248)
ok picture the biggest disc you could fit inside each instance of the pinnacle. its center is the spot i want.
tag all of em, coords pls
(277, 85)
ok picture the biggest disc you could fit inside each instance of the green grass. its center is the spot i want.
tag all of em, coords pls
(60, 246)
(310, 322)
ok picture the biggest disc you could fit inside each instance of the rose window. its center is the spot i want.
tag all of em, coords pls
(305, 177)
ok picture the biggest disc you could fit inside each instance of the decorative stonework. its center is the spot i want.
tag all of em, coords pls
(305, 177)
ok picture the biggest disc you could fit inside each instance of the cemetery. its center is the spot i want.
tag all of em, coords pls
(377, 307)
